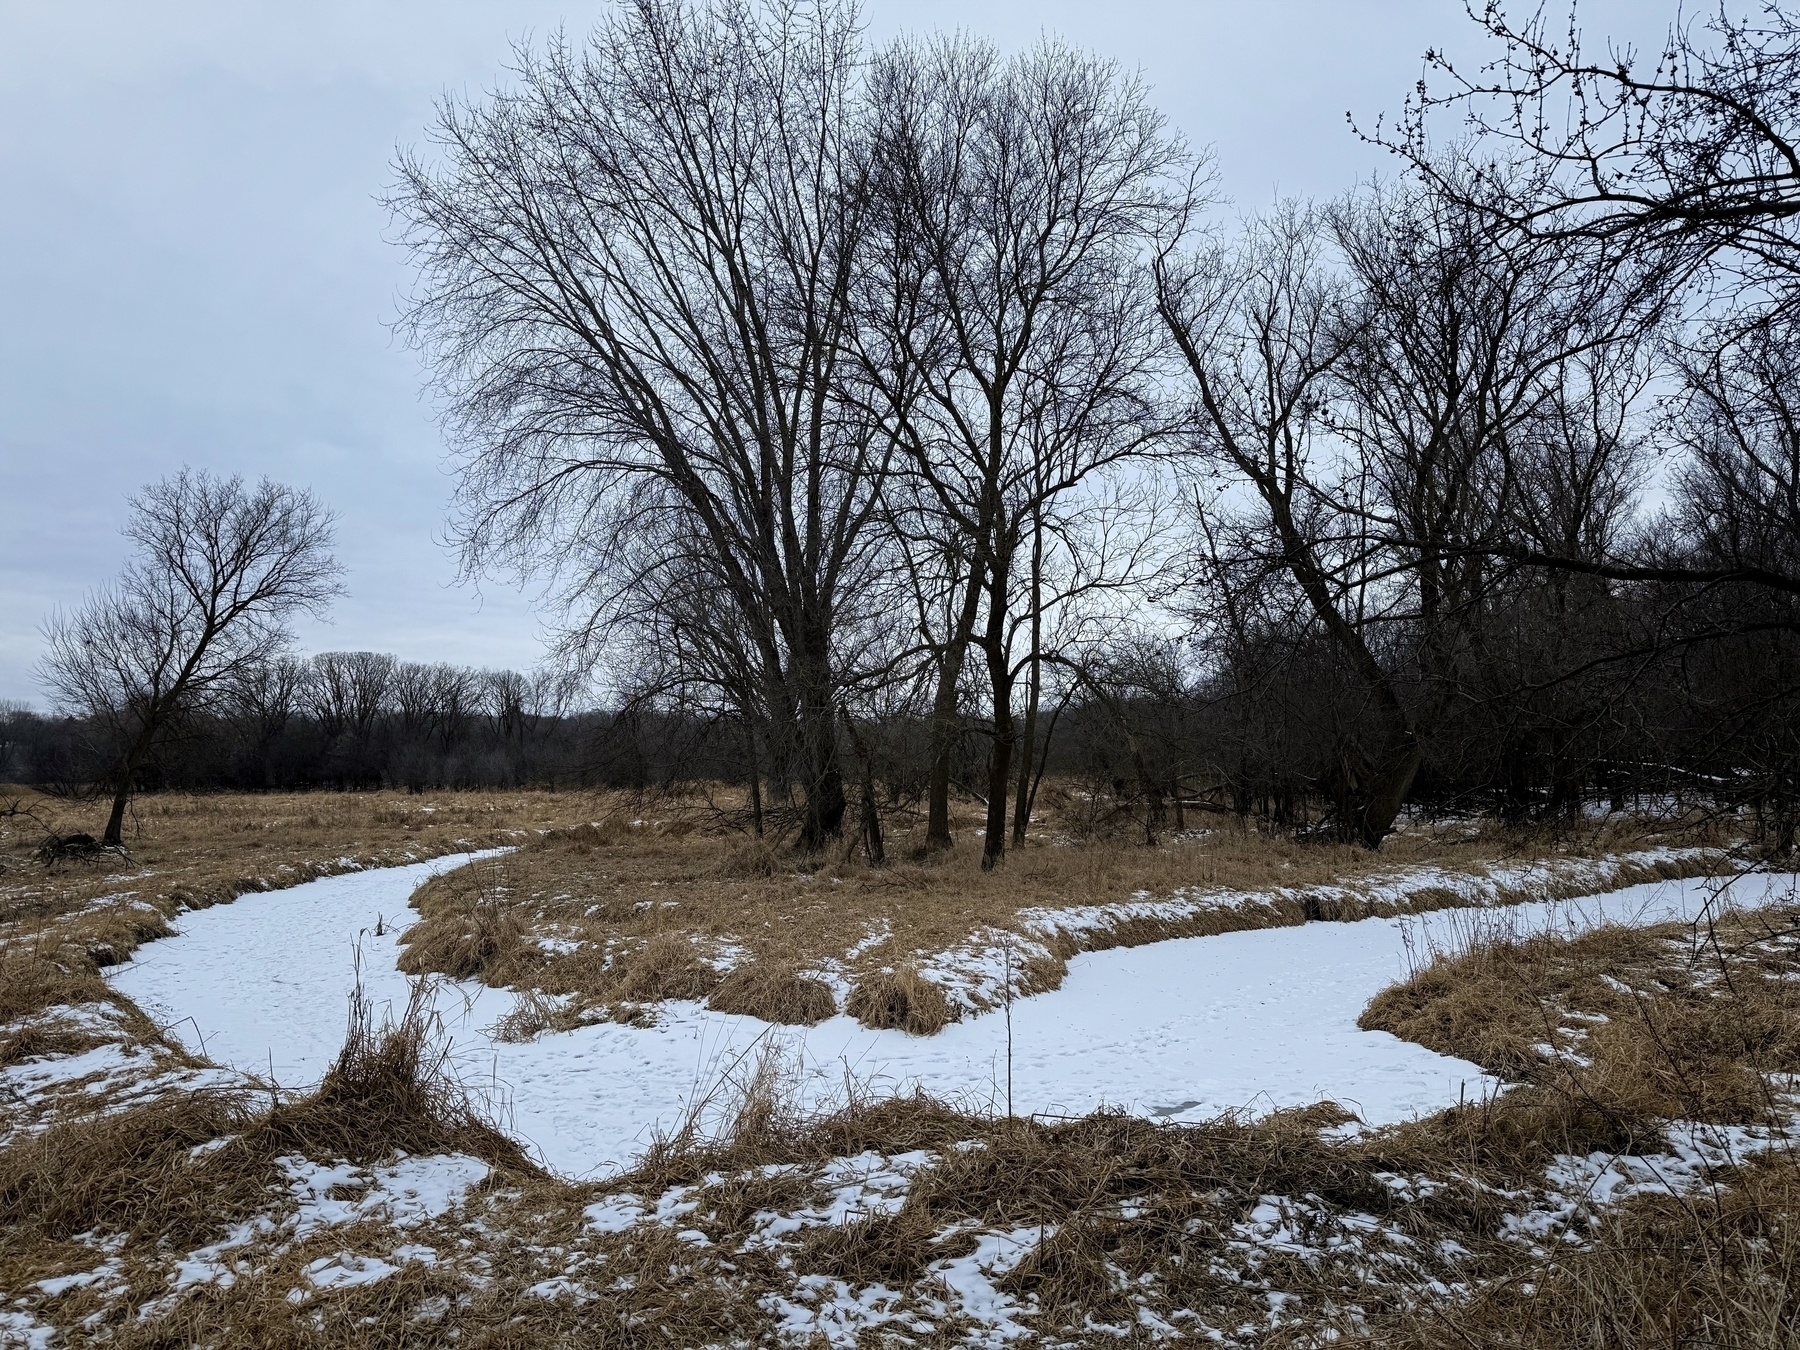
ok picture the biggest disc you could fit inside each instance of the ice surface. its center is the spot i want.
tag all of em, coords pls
(1182, 1029)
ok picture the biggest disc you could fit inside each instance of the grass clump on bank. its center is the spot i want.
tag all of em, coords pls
(775, 991)
(613, 913)
(900, 999)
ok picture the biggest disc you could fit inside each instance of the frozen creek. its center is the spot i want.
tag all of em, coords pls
(1180, 1030)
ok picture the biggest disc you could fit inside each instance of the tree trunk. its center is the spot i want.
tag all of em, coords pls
(993, 847)
(1022, 808)
(1376, 799)
(943, 714)
(756, 811)
(871, 814)
(1000, 754)
(824, 803)
(115, 823)
(128, 772)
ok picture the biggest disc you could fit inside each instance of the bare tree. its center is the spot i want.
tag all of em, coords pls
(350, 690)
(634, 289)
(1372, 374)
(220, 570)
(1692, 151)
(1010, 338)
(1684, 165)
(266, 697)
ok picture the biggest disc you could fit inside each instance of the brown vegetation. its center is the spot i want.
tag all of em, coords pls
(612, 912)
(1613, 1035)
(775, 991)
(60, 923)
(1397, 1235)
(1131, 1221)
(1664, 1022)
(902, 999)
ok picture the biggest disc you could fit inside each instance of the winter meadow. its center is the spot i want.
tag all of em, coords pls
(1106, 768)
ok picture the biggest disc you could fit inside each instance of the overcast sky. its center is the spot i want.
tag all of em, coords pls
(193, 268)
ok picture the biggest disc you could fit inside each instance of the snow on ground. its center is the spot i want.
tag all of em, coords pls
(977, 972)
(1181, 1030)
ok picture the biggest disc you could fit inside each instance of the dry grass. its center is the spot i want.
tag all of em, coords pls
(775, 991)
(1614, 1034)
(902, 999)
(1670, 1021)
(1139, 1227)
(600, 912)
(161, 1178)
(389, 1091)
(1138, 1221)
(1395, 1236)
(188, 851)
(1713, 1269)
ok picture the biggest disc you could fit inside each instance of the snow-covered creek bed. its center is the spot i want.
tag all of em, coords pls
(1181, 1029)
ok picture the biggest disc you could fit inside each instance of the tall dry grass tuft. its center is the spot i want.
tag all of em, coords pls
(900, 999)
(471, 931)
(390, 1090)
(666, 966)
(774, 991)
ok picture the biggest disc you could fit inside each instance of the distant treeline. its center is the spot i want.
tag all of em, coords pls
(1144, 747)
(346, 720)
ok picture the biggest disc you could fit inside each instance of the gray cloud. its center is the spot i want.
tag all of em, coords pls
(193, 268)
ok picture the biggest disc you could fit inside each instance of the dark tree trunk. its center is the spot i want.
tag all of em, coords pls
(1034, 691)
(943, 715)
(127, 781)
(756, 807)
(871, 814)
(1372, 792)
(1000, 754)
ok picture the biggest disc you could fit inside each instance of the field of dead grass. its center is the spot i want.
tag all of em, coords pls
(1637, 1188)
(608, 918)
(60, 923)
(1561, 1214)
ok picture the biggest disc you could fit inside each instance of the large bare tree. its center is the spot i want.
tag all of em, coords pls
(220, 570)
(1010, 337)
(1373, 375)
(634, 287)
